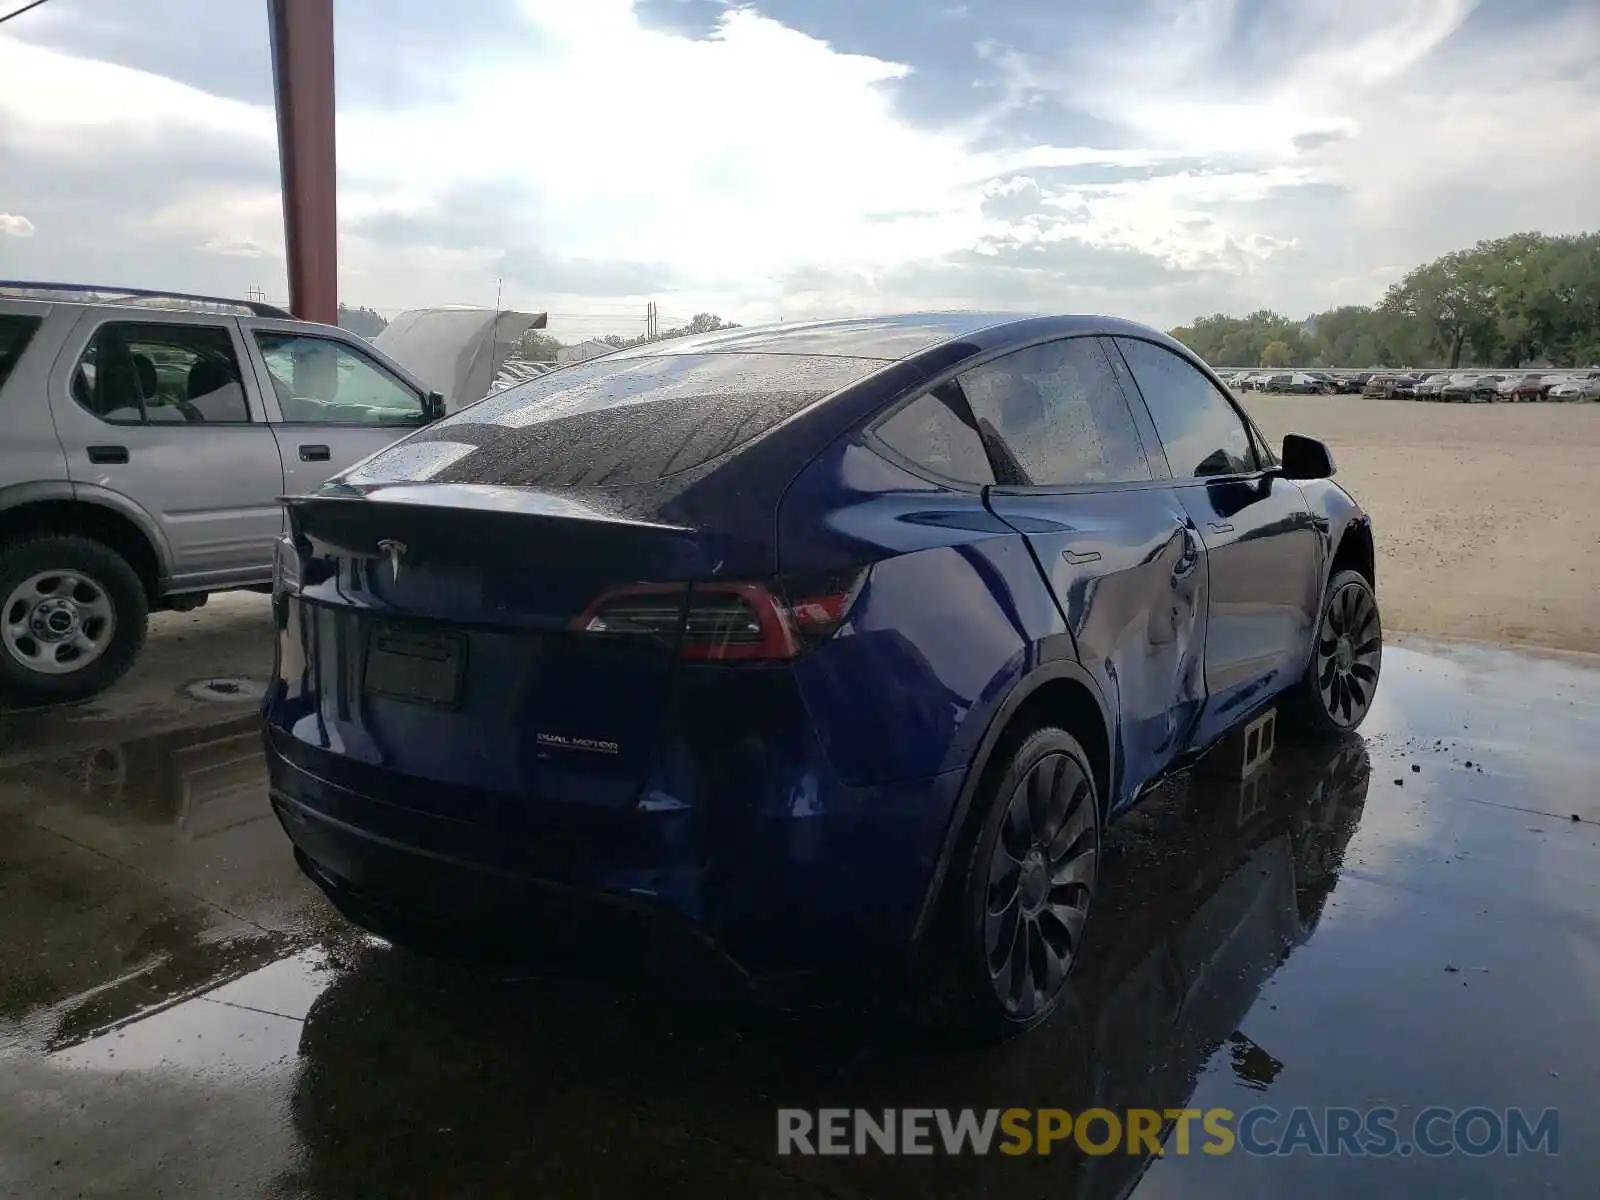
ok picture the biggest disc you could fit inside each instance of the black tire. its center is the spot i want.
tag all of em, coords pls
(1341, 677)
(24, 559)
(1042, 814)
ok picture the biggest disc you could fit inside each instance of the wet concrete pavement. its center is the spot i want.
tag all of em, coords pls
(1411, 919)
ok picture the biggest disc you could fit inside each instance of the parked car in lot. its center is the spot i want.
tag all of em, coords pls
(1576, 389)
(1389, 386)
(145, 450)
(1523, 387)
(1431, 385)
(1310, 383)
(1473, 389)
(818, 642)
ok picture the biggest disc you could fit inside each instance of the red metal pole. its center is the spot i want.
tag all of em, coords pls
(302, 74)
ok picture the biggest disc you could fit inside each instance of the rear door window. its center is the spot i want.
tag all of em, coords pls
(1054, 415)
(616, 421)
(148, 373)
(936, 432)
(15, 333)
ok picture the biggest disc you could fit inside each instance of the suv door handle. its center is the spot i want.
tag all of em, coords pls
(315, 454)
(1219, 527)
(1079, 557)
(105, 455)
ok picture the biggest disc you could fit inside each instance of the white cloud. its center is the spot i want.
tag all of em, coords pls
(762, 158)
(772, 150)
(15, 225)
(61, 105)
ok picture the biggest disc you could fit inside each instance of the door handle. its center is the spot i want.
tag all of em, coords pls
(105, 455)
(1219, 527)
(315, 454)
(1079, 557)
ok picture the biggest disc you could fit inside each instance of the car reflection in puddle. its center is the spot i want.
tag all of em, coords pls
(1210, 887)
(134, 875)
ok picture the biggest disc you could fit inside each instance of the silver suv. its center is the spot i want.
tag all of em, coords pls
(144, 443)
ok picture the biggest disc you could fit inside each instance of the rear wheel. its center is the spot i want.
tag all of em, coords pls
(1031, 878)
(1341, 679)
(72, 619)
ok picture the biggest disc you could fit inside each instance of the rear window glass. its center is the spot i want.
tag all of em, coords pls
(614, 421)
(936, 431)
(14, 334)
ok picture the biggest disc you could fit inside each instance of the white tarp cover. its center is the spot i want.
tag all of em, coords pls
(518, 370)
(457, 351)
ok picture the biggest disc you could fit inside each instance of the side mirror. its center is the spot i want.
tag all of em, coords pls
(1306, 458)
(432, 407)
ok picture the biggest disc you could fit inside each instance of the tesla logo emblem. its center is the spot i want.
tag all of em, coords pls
(396, 551)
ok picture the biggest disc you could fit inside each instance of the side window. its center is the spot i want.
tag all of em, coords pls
(936, 431)
(1263, 449)
(15, 333)
(323, 382)
(147, 373)
(1054, 415)
(1199, 429)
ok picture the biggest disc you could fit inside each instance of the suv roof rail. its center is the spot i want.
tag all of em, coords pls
(95, 293)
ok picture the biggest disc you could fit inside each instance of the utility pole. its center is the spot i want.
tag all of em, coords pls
(302, 76)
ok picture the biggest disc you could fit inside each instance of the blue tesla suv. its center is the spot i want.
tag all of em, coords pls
(811, 643)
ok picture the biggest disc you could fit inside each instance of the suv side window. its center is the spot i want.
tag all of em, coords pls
(148, 373)
(1055, 415)
(936, 431)
(1200, 430)
(15, 334)
(323, 382)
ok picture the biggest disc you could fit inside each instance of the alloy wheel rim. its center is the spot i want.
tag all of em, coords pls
(1041, 880)
(1349, 654)
(57, 622)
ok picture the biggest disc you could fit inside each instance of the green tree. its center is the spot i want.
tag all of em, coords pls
(1507, 302)
(1277, 354)
(699, 323)
(707, 323)
(538, 346)
(368, 322)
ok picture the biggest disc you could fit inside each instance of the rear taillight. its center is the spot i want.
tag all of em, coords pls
(728, 621)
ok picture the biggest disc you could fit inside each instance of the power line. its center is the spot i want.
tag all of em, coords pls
(18, 12)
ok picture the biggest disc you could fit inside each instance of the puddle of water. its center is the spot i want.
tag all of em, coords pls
(1288, 939)
(198, 779)
(232, 689)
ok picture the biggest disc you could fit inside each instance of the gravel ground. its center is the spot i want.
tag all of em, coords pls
(1487, 516)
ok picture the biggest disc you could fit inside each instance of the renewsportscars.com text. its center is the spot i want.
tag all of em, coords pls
(1369, 1132)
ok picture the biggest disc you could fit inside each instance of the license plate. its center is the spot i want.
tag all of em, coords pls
(423, 668)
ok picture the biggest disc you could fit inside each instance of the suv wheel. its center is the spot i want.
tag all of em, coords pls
(72, 618)
(1030, 882)
(1335, 694)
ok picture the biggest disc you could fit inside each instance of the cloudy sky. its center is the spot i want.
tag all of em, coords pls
(791, 158)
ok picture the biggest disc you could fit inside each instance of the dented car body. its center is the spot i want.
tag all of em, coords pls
(737, 634)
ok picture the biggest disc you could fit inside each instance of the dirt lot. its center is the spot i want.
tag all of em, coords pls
(1487, 516)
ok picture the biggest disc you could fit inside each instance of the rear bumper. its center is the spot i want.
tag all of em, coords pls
(836, 879)
(455, 908)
